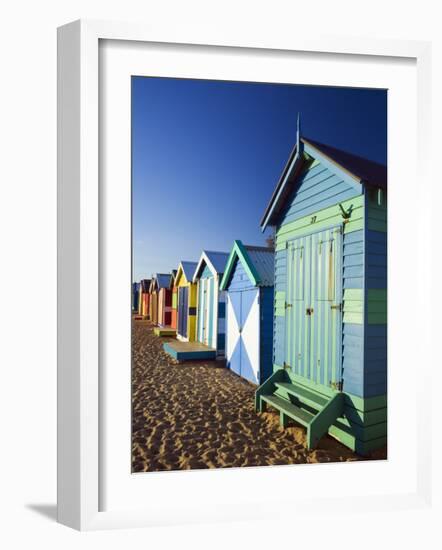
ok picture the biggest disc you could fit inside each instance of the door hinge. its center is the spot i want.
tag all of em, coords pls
(286, 305)
(336, 385)
(336, 306)
(285, 365)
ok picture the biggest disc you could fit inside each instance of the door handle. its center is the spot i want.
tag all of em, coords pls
(309, 311)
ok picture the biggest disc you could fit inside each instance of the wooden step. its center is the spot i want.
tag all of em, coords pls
(164, 331)
(296, 413)
(305, 395)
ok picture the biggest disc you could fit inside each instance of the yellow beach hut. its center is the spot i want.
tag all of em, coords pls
(186, 301)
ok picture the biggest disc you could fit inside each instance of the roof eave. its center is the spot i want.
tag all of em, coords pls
(203, 258)
(351, 178)
(239, 251)
(295, 156)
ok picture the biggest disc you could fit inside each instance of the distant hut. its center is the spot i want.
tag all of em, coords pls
(248, 282)
(329, 211)
(153, 301)
(143, 307)
(211, 300)
(173, 288)
(135, 296)
(186, 306)
(164, 294)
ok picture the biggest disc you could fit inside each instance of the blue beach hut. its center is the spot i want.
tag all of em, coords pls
(135, 296)
(329, 213)
(210, 321)
(248, 282)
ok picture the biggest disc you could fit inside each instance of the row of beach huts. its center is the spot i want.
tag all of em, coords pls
(306, 318)
(220, 306)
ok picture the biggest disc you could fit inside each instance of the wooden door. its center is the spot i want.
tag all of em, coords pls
(233, 344)
(243, 355)
(183, 308)
(313, 319)
(202, 310)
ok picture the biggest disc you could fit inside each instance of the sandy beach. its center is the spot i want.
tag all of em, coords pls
(201, 415)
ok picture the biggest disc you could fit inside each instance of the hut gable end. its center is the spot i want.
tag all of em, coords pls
(210, 264)
(185, 273)
(317, 177)
(316, 188)
(252, 265)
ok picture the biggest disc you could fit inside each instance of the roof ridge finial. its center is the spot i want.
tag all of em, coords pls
(298, 131)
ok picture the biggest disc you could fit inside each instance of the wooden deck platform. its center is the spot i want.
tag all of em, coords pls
(189, 351)
(164, 331)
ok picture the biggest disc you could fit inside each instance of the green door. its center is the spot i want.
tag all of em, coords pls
(313, 347)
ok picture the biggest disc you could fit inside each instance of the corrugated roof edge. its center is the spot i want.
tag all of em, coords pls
(241, 251)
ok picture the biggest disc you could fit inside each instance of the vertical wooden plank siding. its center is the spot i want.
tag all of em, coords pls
(164, 307)
(305, 226)
(161, 306)
(211, 338)
(210, 311)
(206, 308)
(191, 321)
(200, 311)
(191, 310)
(221, 320)
(154, 307)
(173, 313)
(135, 295)
(314, 282)
(266, 298)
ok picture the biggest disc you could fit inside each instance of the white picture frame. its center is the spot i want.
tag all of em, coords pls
(79, 272)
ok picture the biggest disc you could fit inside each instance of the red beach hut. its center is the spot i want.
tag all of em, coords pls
(164, 299)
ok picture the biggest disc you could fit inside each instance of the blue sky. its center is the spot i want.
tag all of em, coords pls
(206, 156)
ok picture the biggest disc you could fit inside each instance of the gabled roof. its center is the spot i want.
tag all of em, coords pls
(144, 285)
(356, 170)
(365, 170)
(172, 278)
(159, 280)
(258, 263)
(163, 280)
(187, 269)
(216, 261)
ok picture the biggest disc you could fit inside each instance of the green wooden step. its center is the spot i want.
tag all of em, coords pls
(286, 408)
(305, 395)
